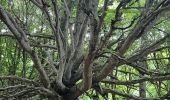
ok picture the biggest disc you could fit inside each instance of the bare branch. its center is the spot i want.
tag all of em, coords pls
(143, 79)
(19, 79)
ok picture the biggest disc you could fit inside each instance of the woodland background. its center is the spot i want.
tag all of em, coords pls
(85, 49)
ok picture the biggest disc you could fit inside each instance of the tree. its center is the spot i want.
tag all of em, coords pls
(83, 47)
